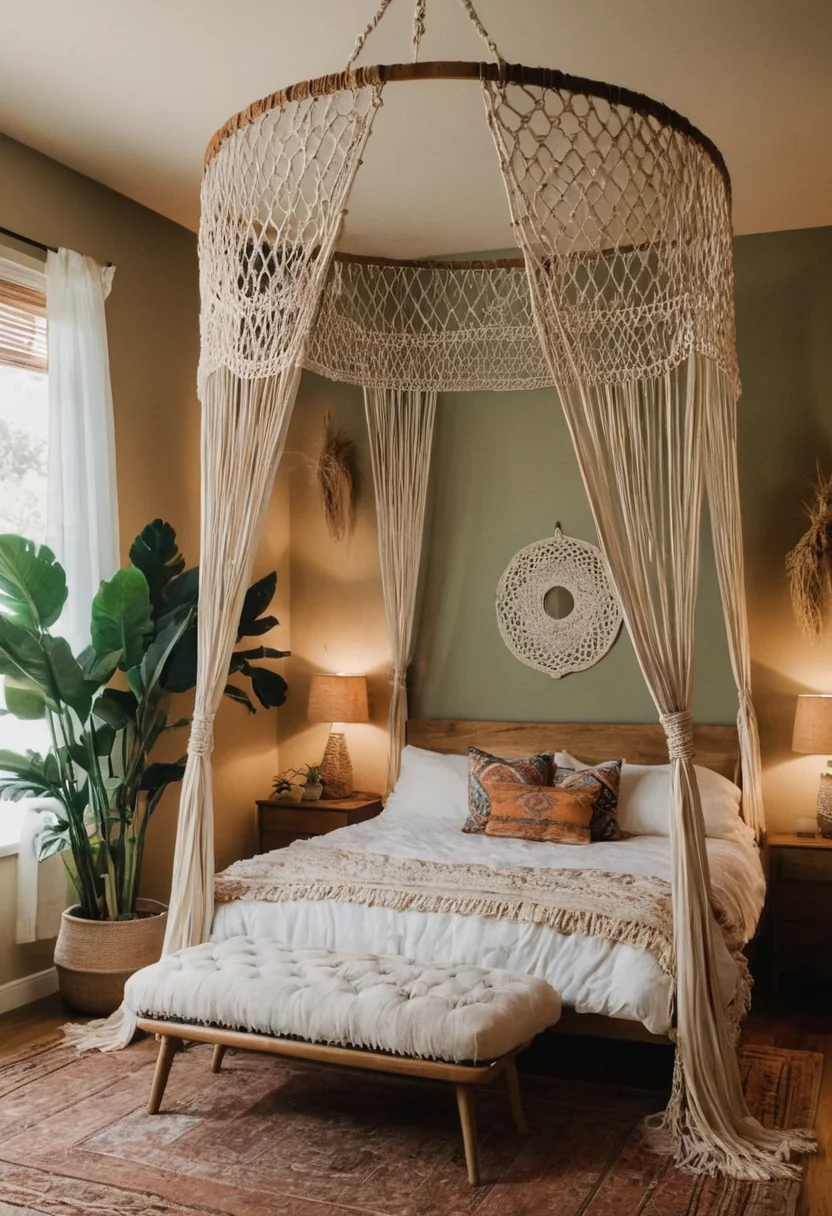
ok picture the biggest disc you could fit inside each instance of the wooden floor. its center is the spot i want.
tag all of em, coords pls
(803, 1021)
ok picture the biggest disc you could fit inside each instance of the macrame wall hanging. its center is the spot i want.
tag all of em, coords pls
(555, 607)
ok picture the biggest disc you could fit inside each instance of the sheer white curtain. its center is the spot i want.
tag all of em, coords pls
(42, 886)
(82, 505)
(401, 434)
(81, 516)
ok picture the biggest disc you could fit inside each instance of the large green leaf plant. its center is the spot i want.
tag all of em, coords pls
(108, 707)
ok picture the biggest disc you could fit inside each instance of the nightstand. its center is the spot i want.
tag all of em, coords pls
(279, 823)
(800, 876)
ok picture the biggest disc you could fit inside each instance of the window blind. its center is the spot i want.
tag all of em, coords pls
(22, 326)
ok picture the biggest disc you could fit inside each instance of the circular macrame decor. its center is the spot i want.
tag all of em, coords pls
(555, 607)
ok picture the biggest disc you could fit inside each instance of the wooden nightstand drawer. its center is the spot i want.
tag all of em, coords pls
(281, 823)
(805, 865)
(799, 901)
(801, 906)
(312, 822)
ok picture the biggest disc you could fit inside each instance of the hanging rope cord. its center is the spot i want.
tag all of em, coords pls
(419, 24)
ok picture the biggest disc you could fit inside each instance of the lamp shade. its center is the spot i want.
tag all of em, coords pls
(338, 699)
(813, 724)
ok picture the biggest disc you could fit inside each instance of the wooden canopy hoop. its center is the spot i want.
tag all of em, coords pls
(448, 69)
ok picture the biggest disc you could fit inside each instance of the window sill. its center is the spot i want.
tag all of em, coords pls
(13, 817)
(11, 822)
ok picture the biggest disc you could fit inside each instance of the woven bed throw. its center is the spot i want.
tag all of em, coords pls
(617, 907)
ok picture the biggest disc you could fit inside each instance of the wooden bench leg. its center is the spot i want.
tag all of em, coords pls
(467, 1117)
(167, 1050)
(513, 1086)
(217, 1057)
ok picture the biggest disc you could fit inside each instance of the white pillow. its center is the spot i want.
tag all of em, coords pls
(644, 800)
(431, 785)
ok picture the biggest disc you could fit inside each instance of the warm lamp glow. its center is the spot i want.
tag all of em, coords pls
(813, 724)
(338, 699)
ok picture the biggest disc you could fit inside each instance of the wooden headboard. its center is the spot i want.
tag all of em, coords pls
(717, 747)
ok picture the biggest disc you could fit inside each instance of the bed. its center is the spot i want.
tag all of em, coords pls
(612, 985)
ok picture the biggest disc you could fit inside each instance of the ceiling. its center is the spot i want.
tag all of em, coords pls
(130, 93)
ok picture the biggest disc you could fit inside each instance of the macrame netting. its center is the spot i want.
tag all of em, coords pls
(272, 206)
(427, 327)
(624, 302)
(625, 228)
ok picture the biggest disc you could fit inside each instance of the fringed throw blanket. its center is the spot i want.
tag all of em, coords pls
(621, 908)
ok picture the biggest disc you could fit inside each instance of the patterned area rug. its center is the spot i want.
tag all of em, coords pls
(270, 1138)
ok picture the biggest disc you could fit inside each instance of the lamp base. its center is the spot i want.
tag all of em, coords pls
(336, 768)
(825, 805)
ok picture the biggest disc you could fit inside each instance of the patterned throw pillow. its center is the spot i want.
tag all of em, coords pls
(484, 769)
(560, 815)
(604, 779)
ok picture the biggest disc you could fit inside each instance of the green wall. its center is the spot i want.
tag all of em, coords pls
(504, 471)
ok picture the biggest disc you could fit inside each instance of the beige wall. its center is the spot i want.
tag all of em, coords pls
(503, 473)
(153, 332)
(784, 321)
(336, 608)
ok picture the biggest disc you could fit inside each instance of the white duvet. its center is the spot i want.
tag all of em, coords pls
(591, 975)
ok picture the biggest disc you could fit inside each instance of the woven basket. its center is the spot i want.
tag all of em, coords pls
(95, 958)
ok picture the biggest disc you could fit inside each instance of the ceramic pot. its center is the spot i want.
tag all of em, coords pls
(311, 793)
(95, 958)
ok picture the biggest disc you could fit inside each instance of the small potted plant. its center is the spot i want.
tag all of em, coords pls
(313, 786)
(286, 789)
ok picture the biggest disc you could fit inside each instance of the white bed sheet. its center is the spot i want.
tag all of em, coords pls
(592, 975)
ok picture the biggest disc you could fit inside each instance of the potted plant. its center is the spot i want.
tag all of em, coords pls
(107, 709)
(286, 789)
(313, 786)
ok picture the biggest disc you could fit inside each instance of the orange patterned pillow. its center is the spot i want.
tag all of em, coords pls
(532, 812)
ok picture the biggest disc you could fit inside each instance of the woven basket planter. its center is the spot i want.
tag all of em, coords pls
(95, 958)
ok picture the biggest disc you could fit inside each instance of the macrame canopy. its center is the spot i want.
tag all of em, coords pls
(622, 299)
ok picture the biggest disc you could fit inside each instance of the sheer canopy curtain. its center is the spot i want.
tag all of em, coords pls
(82, 503)
(401, 435)
(244, 424)
(722, 480)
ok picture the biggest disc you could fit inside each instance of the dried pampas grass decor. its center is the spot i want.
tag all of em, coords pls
(336, 479)
(808, 564)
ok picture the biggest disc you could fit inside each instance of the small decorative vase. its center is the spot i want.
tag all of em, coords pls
(825, 805)
(285, 795)
(336, 768)
(311, 793)
(95, 958)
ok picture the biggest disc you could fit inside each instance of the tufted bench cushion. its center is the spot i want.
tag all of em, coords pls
(378, 1002)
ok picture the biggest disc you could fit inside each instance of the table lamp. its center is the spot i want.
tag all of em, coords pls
(337, 699)
(813, 735)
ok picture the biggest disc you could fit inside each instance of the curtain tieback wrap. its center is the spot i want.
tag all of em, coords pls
(396, 678)
(201, 742)
(678, 728)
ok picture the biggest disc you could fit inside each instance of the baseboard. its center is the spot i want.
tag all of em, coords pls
(27, 989)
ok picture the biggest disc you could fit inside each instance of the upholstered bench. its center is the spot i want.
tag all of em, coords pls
(462, 1025)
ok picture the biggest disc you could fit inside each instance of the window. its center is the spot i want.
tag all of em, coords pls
(24, 421)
